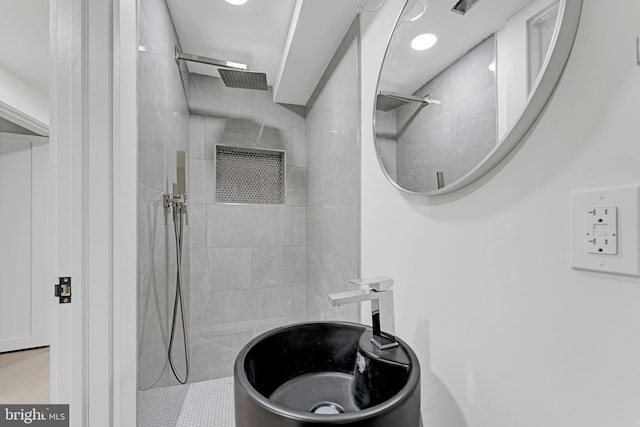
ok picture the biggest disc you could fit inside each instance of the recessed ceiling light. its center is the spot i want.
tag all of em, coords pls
(424, 41)
(236, 2)
(492, 66)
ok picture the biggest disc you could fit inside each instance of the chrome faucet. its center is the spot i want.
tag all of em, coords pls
(378, 291)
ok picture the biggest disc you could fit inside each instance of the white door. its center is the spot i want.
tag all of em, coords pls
(24, 300)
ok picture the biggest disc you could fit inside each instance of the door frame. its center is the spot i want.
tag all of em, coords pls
(125, 203)
(93, 155)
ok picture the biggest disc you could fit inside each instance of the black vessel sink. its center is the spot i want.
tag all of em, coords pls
(325, 373)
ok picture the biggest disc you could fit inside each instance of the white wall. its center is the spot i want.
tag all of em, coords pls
(15, 250)
(26, 291)
(507, 333)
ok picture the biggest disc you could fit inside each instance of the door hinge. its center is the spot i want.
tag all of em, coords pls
(63, 290)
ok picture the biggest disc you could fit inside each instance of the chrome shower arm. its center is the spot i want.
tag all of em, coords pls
(180, 55)
(425, 100)
(402, 97)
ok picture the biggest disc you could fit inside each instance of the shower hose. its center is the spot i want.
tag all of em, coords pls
(178, 227)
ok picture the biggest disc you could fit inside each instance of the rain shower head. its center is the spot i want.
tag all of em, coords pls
(386, 103)
(243, 79)
(234, 74)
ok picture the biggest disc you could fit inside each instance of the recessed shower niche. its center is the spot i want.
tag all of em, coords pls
(250, 175)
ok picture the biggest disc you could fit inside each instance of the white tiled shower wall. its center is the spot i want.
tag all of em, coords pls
(247, 261)
(333, 190)
(163, 129)
(256, 267)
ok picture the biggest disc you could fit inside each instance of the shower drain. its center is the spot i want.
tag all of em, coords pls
(327, 408)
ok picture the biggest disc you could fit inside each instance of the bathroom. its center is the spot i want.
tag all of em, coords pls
(506, 330)
(448, 314)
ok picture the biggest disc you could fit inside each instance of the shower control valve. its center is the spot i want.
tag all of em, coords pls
(174, 200)
(177, 202)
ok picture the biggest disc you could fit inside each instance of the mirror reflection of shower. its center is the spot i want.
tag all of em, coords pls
(177, 203)
(388, 101)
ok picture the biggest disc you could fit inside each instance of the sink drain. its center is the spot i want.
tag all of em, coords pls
(327, 408)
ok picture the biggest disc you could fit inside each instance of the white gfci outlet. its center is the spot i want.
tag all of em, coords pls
(605, 230)
(601, 235)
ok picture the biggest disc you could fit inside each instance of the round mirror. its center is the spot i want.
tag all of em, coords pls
(461, 84)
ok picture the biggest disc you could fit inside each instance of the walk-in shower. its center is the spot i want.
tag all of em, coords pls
(245, 266)
(177, 203)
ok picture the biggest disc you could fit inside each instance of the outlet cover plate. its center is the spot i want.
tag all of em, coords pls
(625, 259)
(601, 230)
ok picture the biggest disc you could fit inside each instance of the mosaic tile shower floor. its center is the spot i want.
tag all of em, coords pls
(206, 403)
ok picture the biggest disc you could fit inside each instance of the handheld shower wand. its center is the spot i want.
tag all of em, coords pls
(178, 204)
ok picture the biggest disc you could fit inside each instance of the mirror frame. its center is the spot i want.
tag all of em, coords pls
(562, 42)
